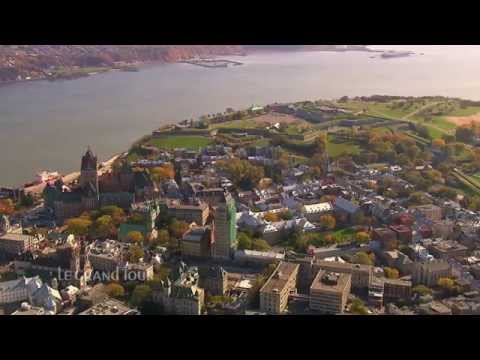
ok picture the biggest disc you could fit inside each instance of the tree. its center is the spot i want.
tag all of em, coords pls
(140, 294)
(135, 237)
(362, 237)
(137, 219)
(438, 144)
(242, 172)
(271, 217)
(328, 222)
(103, 227)
(421, 290)
(244, 241)
(358, 307)
(135, 253)
(260, 245)
(78, 226)
(115, 290)
(164, 172)
(391, 273)
(448, 285)
(177, 228)
(116, 213)
(27, 200)
(6, 206)
(163, 237)
(362, 258)
(320, 144)
(286, 215)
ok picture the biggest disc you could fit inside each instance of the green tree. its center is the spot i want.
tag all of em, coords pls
(27, 200)
(163, 237)
(78, 226)
(391, 273)
(104, 227)
(177, 228)
(362, 258)
(136, 218)
(421, 290)
(115, 290)
(260, 245)
(358, 307)
(135, 253)
(140, 294)
(117, 214)
(244, 241)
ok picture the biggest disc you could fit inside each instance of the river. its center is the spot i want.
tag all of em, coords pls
(48, 125)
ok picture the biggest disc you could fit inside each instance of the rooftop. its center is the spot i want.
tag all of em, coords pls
(280, 277)
(109, 307)
(330, 281)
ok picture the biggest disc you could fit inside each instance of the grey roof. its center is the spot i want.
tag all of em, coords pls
(346, 205)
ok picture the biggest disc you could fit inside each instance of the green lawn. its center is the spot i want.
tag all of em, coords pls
(335, 149)
(381, 109)
(240, 124)
(181, 141)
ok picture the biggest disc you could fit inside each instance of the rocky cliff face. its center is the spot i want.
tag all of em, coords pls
(34, 61)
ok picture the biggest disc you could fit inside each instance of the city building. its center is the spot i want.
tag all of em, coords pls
(447, 249)
(329, 292)
(214, 280)
(428, 272)
(13, 243)
(105, 256)
(375, 293)
(313, 212)
(197, 212)
(430, 211)
(278, 287)
(197, 242)
(120, 189)
(403, 232)
(109, 307)
(180, 293)
(225, 228)
(386, 237)
(361, 274)
(396, 289)
(19, 290)
(345, 209)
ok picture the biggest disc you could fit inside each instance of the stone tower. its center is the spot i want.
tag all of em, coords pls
(88, 172)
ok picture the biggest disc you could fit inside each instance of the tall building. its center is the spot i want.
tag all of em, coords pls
(276, 290)
(329, 292)
(225, 227)
(428, 272)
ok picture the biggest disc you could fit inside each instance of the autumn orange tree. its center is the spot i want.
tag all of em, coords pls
(164, 172)
(328, 222)
(6, 207)
(135, 237)
(271, 217)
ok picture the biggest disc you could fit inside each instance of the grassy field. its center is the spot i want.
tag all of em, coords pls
(381, 109)
(336, 149)
(244, 123)
(181, 141)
